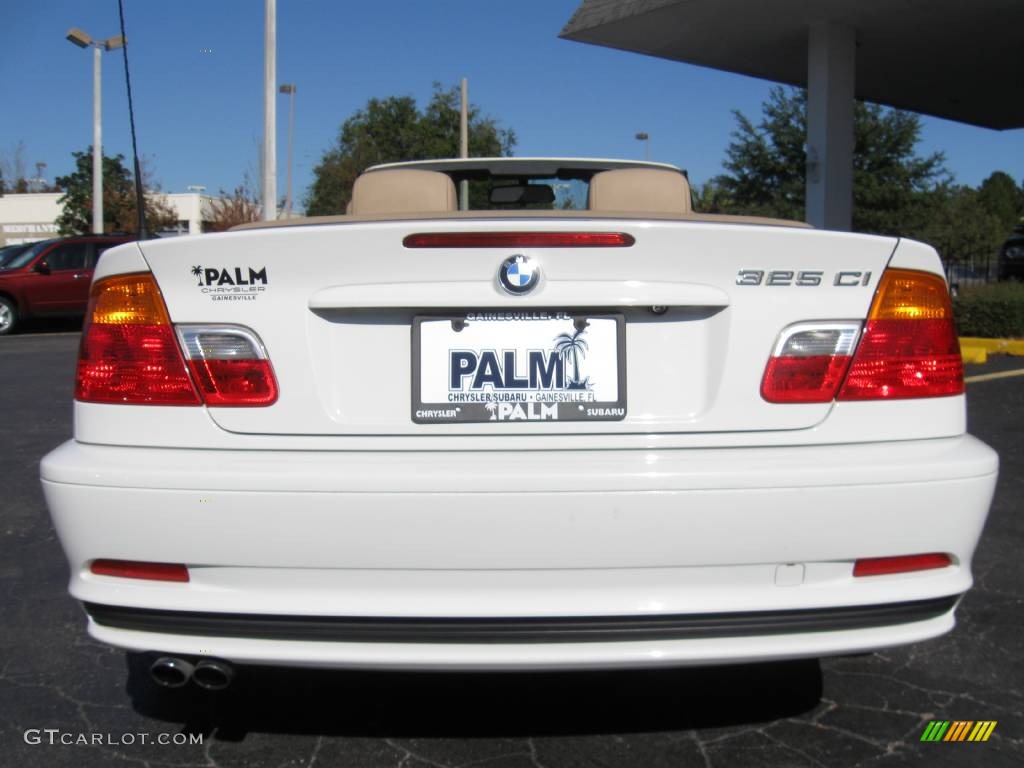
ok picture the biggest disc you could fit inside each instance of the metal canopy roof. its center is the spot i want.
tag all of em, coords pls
(958, 60)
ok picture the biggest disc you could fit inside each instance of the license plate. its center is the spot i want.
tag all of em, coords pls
(518, 366)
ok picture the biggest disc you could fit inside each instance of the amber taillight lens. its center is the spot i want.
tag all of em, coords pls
(129, 353)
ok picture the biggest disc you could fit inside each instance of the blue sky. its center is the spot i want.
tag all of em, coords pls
(199, 114)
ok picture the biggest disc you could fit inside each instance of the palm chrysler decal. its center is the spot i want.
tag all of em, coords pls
(230, 283)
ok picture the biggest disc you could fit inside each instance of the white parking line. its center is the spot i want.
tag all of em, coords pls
(991, 376)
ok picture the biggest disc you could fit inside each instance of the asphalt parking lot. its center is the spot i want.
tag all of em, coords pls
(860, 711)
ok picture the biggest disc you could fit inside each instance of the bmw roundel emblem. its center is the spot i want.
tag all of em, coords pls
(518, 275)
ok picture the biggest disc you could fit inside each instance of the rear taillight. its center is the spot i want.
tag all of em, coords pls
(129, 353)
(809, 362)
(229, 364)
(909, 347)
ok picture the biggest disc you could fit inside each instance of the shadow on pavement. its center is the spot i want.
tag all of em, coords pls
(409, 705)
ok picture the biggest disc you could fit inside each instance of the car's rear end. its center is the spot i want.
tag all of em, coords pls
(357, 444)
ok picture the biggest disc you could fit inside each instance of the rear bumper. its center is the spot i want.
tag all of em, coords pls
(758, 544)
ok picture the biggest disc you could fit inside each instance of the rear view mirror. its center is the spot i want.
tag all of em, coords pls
(522, 194)
(42, 267)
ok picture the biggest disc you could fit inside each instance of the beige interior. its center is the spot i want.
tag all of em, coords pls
(403, 191)
(651, 190)
(401, 194)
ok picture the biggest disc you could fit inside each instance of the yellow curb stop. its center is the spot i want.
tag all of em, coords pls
(977, 350)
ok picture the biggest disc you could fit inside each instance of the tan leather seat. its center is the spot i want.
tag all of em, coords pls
(645, 190)
(403, 191)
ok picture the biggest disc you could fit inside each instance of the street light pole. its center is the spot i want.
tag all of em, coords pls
(83, 40)
(270, 111)
(290, 90)
(97, 143)
(646, 139)
(464, 142)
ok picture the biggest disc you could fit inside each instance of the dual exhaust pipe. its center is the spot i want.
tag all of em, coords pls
(209, 674)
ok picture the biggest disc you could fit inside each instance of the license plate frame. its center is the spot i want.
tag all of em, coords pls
(574, 401)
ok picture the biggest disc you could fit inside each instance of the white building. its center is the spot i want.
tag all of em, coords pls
(31, 217)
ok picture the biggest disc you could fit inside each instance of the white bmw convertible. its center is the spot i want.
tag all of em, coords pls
(580, 426)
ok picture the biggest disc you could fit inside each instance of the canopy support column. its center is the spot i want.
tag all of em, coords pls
(830, 74)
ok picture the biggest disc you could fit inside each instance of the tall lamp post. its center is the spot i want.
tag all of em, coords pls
(646, 139)
(83, 40)
(289, 88)
(270, 110)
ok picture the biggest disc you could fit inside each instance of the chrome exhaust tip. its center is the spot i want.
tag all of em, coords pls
(213, 674)
(171, 672)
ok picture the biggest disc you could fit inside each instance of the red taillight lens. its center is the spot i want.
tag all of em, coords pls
(881, 566)
(519, 240)
(906, 358)
(133, 569)
(229, 364)
(803, 379)
(129, 354)
(809, 362)
(235, 382)
(909, 347)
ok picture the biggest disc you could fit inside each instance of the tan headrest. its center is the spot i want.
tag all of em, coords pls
(403, 191)
(650, 190)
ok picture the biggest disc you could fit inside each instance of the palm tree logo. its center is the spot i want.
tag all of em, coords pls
(198, 271)
(491, 406)
(572, 345)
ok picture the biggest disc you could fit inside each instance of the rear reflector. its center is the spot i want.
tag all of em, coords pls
(910, 346)
(229, 364)
(133, 569)
(809, 362)
(129, 354)
(880, 566)
(519, 240)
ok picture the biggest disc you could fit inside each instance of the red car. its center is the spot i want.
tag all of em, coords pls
(51, 278)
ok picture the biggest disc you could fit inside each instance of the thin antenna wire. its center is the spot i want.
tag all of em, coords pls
(140, 200)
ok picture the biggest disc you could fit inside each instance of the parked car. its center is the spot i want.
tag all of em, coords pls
(1011, 256)
(8, 252)
(415, 437)
(50, 277)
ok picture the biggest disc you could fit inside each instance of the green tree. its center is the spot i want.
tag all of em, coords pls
(119, 209)
(395, 129)
(766, 166)
(1002, 198)
(239, 207)
(958, 224)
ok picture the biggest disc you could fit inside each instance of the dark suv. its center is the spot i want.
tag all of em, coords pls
(1011, 256)
(51, 278)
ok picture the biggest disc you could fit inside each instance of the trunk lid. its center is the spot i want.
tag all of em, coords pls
(343, 310)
